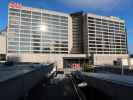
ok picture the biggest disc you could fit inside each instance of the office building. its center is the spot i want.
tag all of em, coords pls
(104, 35)
(37, 30)
(44, 36)
(40, 36)
(102, 38)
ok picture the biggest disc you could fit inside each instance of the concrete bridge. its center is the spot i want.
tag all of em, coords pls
(16, 82)
(117, 87)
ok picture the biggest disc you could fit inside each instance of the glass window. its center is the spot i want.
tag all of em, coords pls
(14, 14)
(25, 19)
(25, 15)
(14, 10)
(25, 11)
(12, 43)
(13, 26)
(36, 13)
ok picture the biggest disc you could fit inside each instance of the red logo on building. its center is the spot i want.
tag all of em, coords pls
(75, 66)
(15, 5)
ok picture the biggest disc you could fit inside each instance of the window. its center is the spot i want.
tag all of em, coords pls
(14, 10)
(2, 57)
(14, 14)
(25, 11)
(25, 15)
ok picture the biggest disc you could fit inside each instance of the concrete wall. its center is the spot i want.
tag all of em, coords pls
(101, 59)
(2, 44)
(70, 41)
(131, 62)
(45, 58)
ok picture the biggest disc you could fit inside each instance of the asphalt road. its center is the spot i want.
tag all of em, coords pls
(61, 90)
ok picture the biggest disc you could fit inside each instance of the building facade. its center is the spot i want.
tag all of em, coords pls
(100, 37)
(37, 30)
(40, 36)
(45, 36)
(2, 48)
(77, 33)
(104, 35)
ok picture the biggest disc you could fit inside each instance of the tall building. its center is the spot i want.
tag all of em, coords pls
(37, 30)
(99, 34)
(103, 39)
(40, 36)
(104, 35)
(45, 36)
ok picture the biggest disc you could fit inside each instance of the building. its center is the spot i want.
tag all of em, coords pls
(44, 36)
(102, 37)
(37, 30)
(40, 35)
(2, 48)
(77, 33)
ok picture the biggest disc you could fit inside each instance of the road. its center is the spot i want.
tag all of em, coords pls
(59, 90)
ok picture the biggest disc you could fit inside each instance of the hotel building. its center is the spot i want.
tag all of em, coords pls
(40, 35)
(104, 35)
(37, 30)
(45, 36)
(102, 38)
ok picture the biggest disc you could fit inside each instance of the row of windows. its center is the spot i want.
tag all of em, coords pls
(104, 20)
(36, 22)
(107, 39)
(36, 30)
(35, 13)
(105, 27)
(106, 24)
(38, 15)
(111, 49)
(47, 40)
(26, 16)
(92, 52)
(101, 25)
(38, 51)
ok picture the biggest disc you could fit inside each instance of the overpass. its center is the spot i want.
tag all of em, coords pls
(117, 87)
(16, 81)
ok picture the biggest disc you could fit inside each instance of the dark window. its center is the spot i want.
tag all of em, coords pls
(2, 57)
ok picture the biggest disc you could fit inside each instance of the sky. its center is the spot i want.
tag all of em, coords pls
(118, 8)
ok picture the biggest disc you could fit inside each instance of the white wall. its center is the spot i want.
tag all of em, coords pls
(70, 42)
(2, 44)
(45, 58)
(101, 59)
(131, 61)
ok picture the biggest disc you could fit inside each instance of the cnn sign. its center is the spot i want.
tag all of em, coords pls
(75, 66)
(15, 5)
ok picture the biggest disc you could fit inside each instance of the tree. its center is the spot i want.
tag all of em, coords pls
(87, 67)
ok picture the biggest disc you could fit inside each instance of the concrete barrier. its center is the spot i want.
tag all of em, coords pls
(117, 87)
(14, 84)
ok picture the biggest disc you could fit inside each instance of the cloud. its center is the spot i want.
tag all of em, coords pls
(93, 4)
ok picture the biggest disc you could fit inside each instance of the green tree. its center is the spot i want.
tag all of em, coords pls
(87, 67)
